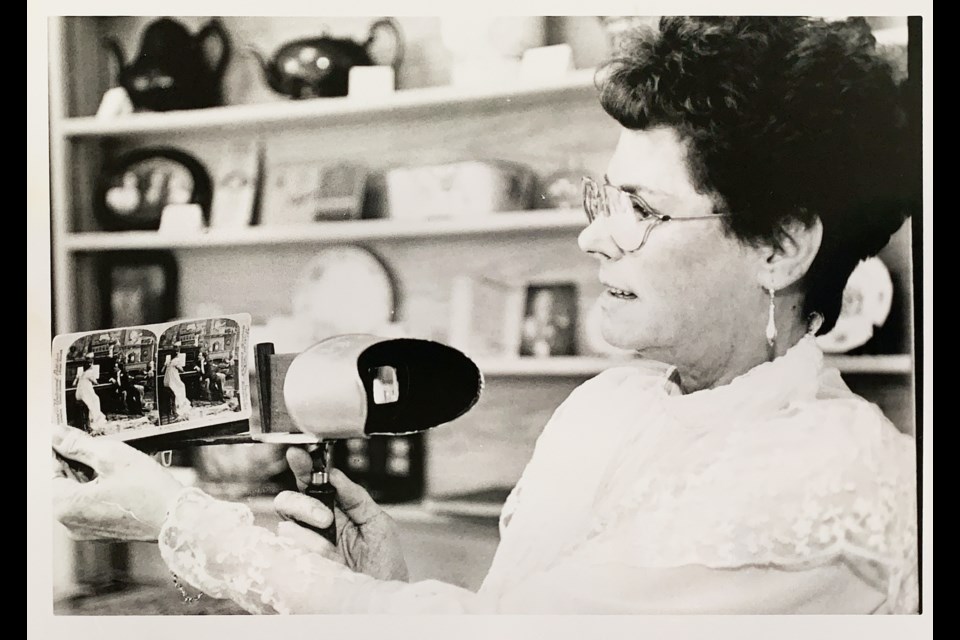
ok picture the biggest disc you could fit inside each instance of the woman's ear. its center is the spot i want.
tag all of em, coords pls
(788, 261)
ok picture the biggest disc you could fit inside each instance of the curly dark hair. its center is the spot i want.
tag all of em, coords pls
(785, 118)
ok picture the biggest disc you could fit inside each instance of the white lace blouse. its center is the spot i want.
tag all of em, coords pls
(781, 492)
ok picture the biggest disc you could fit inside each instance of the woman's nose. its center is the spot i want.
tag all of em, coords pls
(595, 240)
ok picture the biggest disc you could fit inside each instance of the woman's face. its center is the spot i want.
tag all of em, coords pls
(690, 294)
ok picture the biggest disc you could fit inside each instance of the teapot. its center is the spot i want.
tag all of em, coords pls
(320, 67)
(172, 70)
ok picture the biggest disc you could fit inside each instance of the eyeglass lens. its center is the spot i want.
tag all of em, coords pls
(616, 208)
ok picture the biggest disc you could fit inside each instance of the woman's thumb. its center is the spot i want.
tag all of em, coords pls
(353, 499)
(301, 464)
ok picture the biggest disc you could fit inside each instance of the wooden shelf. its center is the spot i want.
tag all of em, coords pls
(328, 111)
(899, 364)
(558, 366)
(583, 366)
(332, 232)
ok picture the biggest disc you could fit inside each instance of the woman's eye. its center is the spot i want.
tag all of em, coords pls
(643, 211)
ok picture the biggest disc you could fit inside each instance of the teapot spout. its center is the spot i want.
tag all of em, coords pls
(268, 69)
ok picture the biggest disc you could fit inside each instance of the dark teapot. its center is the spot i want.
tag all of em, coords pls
(172, 70)
(320, 67)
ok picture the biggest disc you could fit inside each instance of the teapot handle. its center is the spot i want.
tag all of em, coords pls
(388, 24)
(215, 28)
(119, 58)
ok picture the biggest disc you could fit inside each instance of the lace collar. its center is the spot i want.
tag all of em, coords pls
(769, 387)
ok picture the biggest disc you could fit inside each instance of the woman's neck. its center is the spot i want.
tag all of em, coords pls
(719, 365)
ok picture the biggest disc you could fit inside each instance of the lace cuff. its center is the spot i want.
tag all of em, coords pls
(215, 546)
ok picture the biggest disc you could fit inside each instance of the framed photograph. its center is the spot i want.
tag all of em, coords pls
(138, 287)
(549, 325)
(134, 189)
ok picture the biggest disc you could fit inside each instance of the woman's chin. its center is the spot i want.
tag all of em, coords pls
(623, 331)
(617, 337)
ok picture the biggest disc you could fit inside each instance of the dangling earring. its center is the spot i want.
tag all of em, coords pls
(771, 320)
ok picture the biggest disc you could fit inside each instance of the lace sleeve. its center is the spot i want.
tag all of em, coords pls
(840, 486)
(216, 547)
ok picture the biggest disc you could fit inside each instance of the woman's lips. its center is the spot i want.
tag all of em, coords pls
(618, 293)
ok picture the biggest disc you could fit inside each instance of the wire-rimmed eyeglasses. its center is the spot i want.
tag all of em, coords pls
(628, 216)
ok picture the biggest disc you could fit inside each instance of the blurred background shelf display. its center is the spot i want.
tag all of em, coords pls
(439, 117)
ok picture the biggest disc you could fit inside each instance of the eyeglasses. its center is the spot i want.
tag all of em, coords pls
(628, 216)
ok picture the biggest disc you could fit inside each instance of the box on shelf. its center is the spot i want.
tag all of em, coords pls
(457, 189)
(304, 192)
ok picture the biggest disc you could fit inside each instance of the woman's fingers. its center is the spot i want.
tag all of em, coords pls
(100, 455)
(301, 464)
(302, 508)
(308, 540)
(62, 469)
(354, 499)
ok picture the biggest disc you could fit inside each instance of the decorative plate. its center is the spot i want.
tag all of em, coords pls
(134, 189)
(867, 299)
(345, 289)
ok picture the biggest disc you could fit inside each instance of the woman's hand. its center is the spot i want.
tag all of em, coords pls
(366, 536)
(122, 494)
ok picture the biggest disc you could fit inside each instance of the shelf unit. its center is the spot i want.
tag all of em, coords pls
(544, 126)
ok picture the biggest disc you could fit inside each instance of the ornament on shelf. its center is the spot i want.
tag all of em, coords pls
(487, 51)
(172, 70)
(136, 188)
(867, 301)
(320, 67)
(237, 181)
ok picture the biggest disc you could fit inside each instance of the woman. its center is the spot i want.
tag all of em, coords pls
(86, 378)
(755, 168)
(172, 381)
